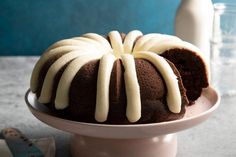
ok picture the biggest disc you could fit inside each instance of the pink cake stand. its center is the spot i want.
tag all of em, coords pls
(142, 140)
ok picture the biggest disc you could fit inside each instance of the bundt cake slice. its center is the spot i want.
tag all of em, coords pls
(119, 79)
(187, 58)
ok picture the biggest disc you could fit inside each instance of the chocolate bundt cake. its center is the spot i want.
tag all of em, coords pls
(120, 79)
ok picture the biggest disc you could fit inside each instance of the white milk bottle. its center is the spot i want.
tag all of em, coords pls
(193, 23)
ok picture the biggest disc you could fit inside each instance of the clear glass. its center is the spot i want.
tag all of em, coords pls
(223, 49)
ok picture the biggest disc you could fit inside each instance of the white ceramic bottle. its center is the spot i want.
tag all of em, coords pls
(193, 23)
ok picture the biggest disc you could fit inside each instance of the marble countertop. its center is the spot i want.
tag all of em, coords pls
(214, 138)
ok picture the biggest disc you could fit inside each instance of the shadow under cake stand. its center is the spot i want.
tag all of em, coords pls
(141, 140)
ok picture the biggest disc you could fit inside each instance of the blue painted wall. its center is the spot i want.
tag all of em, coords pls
(27, 27)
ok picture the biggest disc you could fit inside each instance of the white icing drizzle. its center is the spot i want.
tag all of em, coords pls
(133, 110)
(92, 42)
(116, 43)
(173, 91)
(80, 42)
(144, 39)
(60, 47)
(65, 42)
(130, 39)
(44, 58)
(62, 94)
(152, 39)
(105, 45)
(157, 41)
(103, 41)
(47, 87)
(103, 82)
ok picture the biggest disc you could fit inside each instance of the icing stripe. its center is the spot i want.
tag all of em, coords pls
(77, 41)
(152, 39)
(47, 87)
(91, 42)
(133, 110)
(157, 41)
(65, 42)
(63, 46)
(173, 91)
(103, 82)
(44, 58)
(62, 94)
(130, 39)
(116, 43)
(103, 41)
(105, 45)
(144, 39)
(97, 43)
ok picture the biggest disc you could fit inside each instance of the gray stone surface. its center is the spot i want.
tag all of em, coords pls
(214, 138)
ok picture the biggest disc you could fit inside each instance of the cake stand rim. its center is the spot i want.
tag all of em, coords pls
(204, 115)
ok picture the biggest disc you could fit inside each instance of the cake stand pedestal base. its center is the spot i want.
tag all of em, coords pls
(160, 146)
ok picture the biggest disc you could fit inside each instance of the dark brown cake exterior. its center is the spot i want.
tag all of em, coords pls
(189, 69)
(152, 87)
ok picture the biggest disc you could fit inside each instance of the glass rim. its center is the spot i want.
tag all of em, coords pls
(225, 7)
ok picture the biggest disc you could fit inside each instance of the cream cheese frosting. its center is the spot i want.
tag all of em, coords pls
(133, 111)
(80, 50)
(116, 43)
(44, 58)
(103, 81)
(129, 41)
(46, 91)
(152, 39)
(99, 39)
(62, 94)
